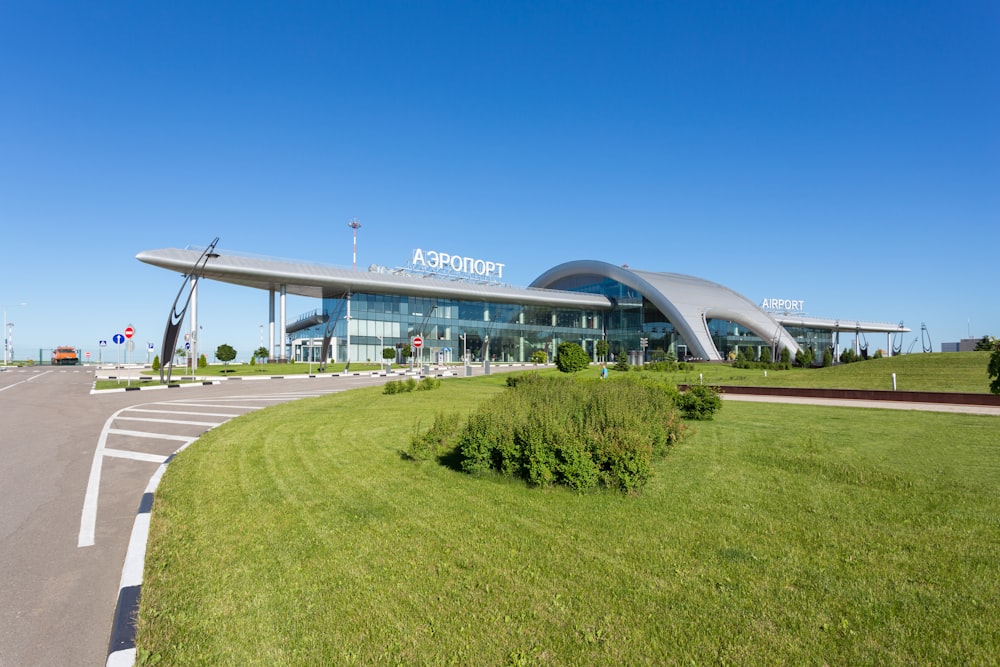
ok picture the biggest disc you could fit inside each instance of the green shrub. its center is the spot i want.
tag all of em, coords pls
(539, 357)
(700, 401)
(571, 358)
(579, 434)
(621, 362)
(428, 383)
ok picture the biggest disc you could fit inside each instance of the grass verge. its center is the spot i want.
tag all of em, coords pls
(774, 534)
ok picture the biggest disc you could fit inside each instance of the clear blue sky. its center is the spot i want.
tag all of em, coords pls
(843, 153)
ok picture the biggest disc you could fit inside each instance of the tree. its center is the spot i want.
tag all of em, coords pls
(389, 354)
(539, 357)
(602, 349)
(994, 369)
(261, 352)
(202, 361)
(765, 355)
(181, 353)
(156, 363)
(225, 353)
(827, 357)
(986, 344)
(571, 358)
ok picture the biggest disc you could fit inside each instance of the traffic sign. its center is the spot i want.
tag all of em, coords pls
(118, 339)
(149, 346)
(102, 343)
(87, 354)
(418, 342)
(129, 331)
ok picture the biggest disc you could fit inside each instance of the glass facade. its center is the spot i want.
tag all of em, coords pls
(512, 333)
(448, 327)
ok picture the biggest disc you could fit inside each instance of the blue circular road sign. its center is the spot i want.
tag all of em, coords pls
(118, 339)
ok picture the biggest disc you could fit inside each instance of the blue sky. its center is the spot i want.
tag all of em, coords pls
(843, 153)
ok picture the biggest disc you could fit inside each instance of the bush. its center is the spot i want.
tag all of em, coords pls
(579, 434)
(621, 362)
(539, 357)
(993, 369)
(409, 384)
(571, 358)
(428, 383)
(700, 401)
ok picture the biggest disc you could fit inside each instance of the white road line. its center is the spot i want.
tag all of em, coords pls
(227, 415)
(135, 456)
(147, 434)
(11, 386)
(168, 421)
(88, 518)
(209, 405)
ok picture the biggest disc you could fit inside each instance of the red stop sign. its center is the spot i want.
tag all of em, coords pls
(129, 331)
(418, 341)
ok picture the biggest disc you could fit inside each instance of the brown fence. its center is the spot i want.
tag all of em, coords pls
(954, 398)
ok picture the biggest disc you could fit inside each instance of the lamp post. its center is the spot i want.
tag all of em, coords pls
(354, 224)
(8, 333)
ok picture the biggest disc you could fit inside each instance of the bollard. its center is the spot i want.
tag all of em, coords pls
(894, 382)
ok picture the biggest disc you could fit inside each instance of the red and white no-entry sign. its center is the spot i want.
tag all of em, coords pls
(418, 342)
(129, 332)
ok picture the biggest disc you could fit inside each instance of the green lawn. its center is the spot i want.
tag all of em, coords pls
(299, 535)
(950, 372)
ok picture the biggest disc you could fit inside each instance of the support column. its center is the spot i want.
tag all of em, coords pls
(270, 325)
(281, 327)
(194, 325)
(347, 361)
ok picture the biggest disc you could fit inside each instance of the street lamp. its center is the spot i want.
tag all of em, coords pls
(354, 224)
(8, 333)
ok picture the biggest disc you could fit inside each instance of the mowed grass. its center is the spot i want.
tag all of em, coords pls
(949, 372)
(775, 534)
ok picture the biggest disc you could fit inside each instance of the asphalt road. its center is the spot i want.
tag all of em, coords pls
(73, 471)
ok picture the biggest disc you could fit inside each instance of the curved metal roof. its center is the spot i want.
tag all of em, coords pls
(319, 281)
(686, 301)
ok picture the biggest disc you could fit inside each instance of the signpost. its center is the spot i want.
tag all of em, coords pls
(417, 342)
(118, 340)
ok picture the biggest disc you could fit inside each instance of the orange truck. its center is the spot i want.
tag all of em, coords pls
(65, 356)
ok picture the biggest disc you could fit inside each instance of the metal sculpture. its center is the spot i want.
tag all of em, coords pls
(176, 319)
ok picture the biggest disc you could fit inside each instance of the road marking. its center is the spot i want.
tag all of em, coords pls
(136, 456)
(168, 421)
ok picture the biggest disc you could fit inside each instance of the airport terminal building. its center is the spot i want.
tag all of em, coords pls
(458, 306)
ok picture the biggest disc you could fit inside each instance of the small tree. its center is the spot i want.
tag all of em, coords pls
(765, 355)
(985, 344)
(571, 358)
(261, 352)
(602, 349)
(786, 355)
(827, 357)
(181, 354)
(389, 354)
(225, 353)
(994, 369)
(539, 357)
(156, 363)
(202, 361)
